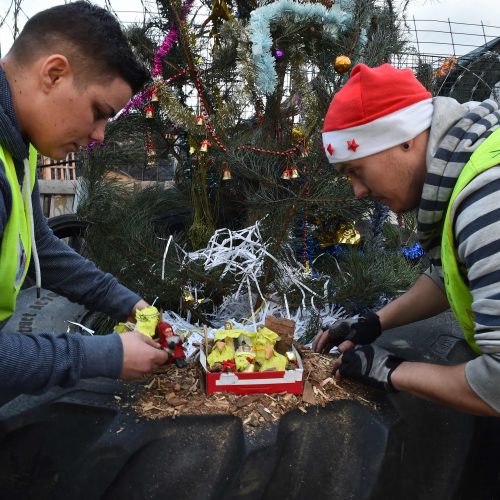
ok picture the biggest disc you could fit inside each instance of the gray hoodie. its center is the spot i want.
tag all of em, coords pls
(34, 363)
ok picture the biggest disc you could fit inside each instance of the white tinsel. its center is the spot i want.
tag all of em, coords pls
(242, 254)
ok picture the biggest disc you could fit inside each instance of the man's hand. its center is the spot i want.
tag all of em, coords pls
(370, 364)
(141, 355)
(347, 333)
(139, 305)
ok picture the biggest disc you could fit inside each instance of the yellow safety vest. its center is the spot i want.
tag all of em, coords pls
(15, 250)
(486, 156)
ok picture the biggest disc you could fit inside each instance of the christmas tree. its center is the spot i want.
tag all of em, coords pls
(255, 213)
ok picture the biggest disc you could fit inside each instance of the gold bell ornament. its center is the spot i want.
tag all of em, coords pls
(226, 173)
(342, 64)
(150, 110)
(287, 173)
(154, 95)
(204, 146)
(294, 173)
(199, 120)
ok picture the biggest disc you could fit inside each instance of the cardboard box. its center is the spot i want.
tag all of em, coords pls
(255, 382)
(285, 328)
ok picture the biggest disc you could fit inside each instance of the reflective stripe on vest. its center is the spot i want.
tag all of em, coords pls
(15, 250)
(486, 156)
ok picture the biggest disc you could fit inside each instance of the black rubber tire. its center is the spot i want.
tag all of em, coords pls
(68, 226)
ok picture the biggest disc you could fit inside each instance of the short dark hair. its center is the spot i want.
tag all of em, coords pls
(88, 35)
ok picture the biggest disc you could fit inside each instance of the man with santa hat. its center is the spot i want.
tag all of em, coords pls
(407, 150)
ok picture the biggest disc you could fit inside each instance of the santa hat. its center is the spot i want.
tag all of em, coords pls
(376, 109)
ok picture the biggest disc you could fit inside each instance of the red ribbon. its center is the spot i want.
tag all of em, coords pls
(228, 364)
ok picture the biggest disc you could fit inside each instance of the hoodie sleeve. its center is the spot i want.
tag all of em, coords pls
(31, 364)
(67, 273)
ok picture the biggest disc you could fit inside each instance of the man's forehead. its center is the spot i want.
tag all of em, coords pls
(111, 93)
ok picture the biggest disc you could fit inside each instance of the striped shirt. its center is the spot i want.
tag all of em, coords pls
(476, 216)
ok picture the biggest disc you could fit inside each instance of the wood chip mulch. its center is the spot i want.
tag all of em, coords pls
(172, 391)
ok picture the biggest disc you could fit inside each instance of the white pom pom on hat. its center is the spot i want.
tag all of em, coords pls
(376, 109)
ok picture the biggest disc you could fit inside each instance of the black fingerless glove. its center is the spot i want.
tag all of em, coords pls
(371, 365)
(366, 329)
(360, 331)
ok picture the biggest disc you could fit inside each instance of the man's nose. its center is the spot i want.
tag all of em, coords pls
(97, 133)
(360, 190)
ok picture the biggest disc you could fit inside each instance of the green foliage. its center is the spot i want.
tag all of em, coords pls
(127, 237)
(129, 227)
(363, 277)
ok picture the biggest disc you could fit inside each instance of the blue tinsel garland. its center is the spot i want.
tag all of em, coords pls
(314, 250)
(260, 33)
(413, 253)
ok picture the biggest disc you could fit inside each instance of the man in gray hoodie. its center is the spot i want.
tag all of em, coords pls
(409, 150)
(69, 70)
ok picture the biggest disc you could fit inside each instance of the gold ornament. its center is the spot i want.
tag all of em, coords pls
(187, 295)
(342, 64)
(307, 267)
(149, 110)
(199, 120)
(204, 146)
(286, 174)
(295, 173)
(226, 173)
(347, 234)
(154, 95)
(297, 134)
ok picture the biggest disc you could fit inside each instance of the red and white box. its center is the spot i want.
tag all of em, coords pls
(254, 382)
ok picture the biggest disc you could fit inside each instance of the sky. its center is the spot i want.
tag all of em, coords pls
(462, 13)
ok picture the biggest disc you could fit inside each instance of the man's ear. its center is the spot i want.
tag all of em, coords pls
(52, 70)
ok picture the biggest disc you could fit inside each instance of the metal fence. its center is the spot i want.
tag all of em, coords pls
(449, 38)
(457, 59)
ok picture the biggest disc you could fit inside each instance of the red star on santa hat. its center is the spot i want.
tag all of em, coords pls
(330, 149)
(352, 145)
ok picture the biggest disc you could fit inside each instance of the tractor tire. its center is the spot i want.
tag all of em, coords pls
(70, 228)
(86, 443)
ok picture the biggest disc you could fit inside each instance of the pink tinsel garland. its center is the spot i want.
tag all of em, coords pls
(164, 49)
(139, 99)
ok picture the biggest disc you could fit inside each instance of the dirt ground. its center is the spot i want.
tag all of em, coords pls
(172, 391)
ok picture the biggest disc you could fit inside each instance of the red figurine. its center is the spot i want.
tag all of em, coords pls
(171, 343)
(164, 331)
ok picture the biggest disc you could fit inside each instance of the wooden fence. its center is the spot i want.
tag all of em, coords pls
(57, 196)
